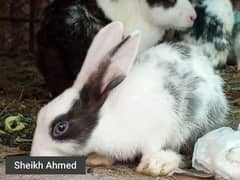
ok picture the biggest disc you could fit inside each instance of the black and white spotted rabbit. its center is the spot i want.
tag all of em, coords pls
(212, 29)
(120, 107)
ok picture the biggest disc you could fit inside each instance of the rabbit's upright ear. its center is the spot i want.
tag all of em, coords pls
(106, 39)
(109, 57)
(121, 59)
(108, 61)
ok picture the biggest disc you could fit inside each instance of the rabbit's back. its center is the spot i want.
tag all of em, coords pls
(197, 90)
(172, 96)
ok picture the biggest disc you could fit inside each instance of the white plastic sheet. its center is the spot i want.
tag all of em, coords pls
(218, 153)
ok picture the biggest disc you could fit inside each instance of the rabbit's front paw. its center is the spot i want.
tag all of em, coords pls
(95, 160)
(159, 164)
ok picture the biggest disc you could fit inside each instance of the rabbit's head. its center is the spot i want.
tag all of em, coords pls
(175, 14)
(65, 125)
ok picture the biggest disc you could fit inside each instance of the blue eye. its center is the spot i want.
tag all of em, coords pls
(60, 128)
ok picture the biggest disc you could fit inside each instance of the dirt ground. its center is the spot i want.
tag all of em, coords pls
(114, 173)
(23, 92)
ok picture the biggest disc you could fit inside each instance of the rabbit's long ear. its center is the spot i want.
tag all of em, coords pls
(104, 71)
(121, 59)
(106, 39)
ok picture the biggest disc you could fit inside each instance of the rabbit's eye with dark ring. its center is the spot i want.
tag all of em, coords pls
(60, 128)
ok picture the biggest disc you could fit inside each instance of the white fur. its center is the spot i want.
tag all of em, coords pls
(164, 162)
(139, 116)
(61, 104)
(223, 10)
(152, 22)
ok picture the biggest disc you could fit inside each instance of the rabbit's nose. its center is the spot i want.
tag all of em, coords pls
(193, 17)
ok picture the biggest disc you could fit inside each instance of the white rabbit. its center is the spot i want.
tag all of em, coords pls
(156, 107)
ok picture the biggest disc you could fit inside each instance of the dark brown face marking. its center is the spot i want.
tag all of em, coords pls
(164, 3)
(83, 116)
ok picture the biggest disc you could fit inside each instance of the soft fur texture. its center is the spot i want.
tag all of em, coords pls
(68, 27)
(212, 29)
(169, 98)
